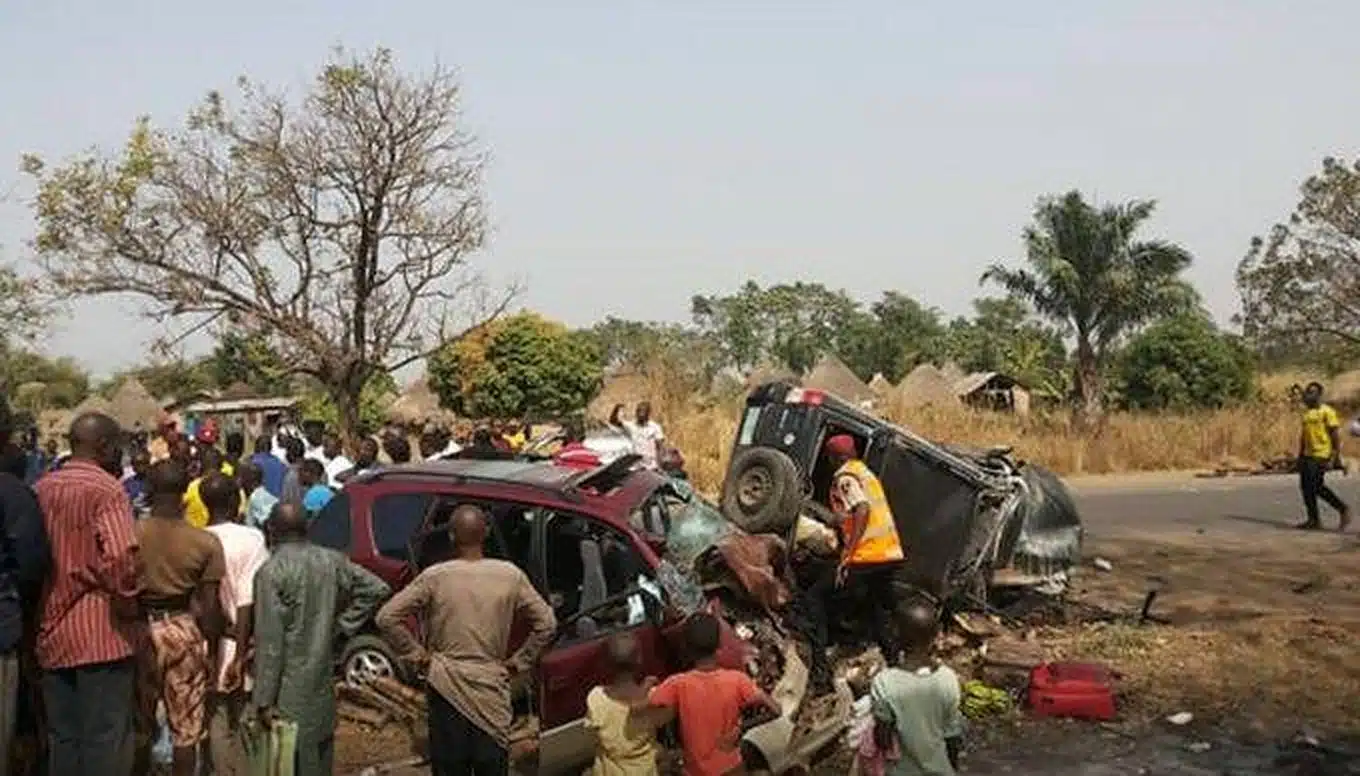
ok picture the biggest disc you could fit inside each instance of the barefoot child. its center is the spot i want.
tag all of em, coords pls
(709, 701)
(625, 730)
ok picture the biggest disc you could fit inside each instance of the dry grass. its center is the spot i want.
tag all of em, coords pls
(704, 429)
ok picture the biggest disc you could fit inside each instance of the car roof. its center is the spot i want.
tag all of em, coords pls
(624, 484)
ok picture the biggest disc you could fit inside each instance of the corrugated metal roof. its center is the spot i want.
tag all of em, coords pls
(243, 405)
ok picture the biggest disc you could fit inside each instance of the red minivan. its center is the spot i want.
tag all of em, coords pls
(590, 540)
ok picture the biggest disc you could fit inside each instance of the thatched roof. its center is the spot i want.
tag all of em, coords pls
(54, 424)
(418, 405)
(133, 406)
(768, 372)
(879, 384)
(979, 380)
(93, 403)
(926, 384)
(833, 376)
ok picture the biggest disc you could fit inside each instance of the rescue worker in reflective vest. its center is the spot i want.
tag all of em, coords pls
(871, 554)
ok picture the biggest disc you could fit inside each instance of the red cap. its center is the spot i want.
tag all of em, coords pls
(208, 434)
(841, 446)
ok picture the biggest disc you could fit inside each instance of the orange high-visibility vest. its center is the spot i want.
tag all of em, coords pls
(880, 542)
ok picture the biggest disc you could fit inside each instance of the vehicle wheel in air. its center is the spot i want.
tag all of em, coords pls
(762, 493)
(367, 657)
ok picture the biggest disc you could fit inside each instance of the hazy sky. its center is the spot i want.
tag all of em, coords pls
(647, 151)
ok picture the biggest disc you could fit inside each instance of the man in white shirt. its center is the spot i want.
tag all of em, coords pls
(645, 433)
(245, 552)
(334, 460)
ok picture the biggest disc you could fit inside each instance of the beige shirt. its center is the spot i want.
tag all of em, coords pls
(469, 608)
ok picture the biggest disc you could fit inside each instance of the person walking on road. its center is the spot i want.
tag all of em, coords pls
(87, 629)
(469, 604)
(181, 569)
(306, 596)
(1319, 450)
(871, 554)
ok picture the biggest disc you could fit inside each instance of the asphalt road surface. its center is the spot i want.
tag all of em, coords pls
(1159, 504)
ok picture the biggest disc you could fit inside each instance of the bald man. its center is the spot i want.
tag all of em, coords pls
(469, 605)
(85, 640)
(305, 594)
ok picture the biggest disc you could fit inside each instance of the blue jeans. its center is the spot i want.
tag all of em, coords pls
(90, 719)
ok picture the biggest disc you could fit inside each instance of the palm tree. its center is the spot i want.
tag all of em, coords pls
(1087, 274)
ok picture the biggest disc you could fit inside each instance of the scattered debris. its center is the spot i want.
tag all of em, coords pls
(1181, 718)
(1102, 565)
(1199, 747)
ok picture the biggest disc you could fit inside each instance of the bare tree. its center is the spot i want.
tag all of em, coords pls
(338, 226)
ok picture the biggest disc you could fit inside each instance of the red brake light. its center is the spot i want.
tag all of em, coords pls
(804, 396)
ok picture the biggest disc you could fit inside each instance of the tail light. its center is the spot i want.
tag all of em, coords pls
(804, 396)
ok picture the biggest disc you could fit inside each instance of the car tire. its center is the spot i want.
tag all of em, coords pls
(366, 656)
(763, 491)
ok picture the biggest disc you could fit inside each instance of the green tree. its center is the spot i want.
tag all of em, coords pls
(519, 366)
(1003, 336)
(374, 400)
(64, 384)
(1087, 273)
(1183, 363)
(23, 308)
(337, 225)
(681, 351)
(897, 334)
(1300, 284)
(173, 377)
(791, 324)
(249, 359)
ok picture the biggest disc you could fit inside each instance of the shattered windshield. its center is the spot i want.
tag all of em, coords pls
(695, 526)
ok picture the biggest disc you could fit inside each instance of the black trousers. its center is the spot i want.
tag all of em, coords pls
(89, 719)
(460, 748)
(1313, 484)
(816, 585)
(885, 590)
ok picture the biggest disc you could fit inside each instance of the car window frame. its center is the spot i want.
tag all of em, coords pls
(629, 540)
(343, 503)
(432, 495)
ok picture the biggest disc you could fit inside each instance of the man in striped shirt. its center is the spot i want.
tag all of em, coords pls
(85, 639)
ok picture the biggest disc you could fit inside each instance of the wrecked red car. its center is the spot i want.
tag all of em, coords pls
(594, 542)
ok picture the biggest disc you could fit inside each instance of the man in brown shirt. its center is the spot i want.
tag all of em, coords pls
(470, 604)
(180, 569)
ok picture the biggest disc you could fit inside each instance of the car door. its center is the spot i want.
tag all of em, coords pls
(599, 588)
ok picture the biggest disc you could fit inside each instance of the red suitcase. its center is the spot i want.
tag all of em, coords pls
(1076, 690)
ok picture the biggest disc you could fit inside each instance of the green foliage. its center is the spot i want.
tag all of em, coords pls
(895, 335)
(1300, 284)
(377, 395)
(516, 367)
(791, 324)
(1003, 336)
(23, 307)
(1185, 363)
(1086, 273)
(35, 382)
(175, 377)
(248, 359)
(642, 346)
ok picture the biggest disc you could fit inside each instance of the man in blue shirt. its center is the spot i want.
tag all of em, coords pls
(272, 470)
(316, 494)
(134, 484)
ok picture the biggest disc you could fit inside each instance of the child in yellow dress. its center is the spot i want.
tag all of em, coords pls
(625, 738)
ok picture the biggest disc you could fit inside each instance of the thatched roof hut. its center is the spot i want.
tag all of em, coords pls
(93, 403)
(925, 385)
(769, 372)
(418, 406)
(880, 385)
(832, 375)
(134, 407)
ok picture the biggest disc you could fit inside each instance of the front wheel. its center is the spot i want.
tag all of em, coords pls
(763, 491)
(367, 657)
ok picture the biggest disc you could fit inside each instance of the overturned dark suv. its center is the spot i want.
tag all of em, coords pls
(971, 521)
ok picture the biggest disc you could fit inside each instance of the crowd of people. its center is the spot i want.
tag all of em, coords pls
(164, 582)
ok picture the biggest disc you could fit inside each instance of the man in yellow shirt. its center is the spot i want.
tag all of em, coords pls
(1319, 451)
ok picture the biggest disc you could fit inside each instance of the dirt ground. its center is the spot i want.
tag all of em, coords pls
(1262, 640)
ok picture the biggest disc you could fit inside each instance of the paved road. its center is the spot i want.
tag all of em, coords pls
(1123, 507)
